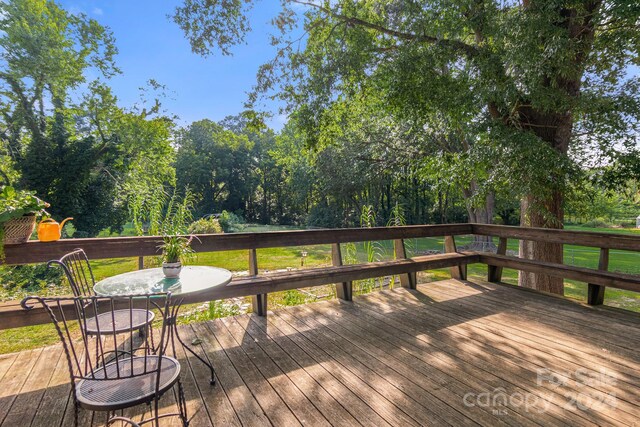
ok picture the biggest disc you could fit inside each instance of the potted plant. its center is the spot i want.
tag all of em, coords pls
(168, 216)
(175, 250)
(19, 210)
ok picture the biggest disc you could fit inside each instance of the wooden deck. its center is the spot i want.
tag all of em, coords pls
(452, 353)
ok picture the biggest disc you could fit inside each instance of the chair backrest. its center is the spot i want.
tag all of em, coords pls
(78, 271)
(110, 354)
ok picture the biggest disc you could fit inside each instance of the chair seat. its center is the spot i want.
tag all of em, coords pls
(107, 392)
(125, 321)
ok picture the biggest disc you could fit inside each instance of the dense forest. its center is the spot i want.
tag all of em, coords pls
(68, 138)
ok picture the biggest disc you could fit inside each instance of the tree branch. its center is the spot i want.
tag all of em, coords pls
(468, 50)
(24, 103)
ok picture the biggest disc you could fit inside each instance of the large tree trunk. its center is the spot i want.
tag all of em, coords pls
(545, 212)
(541, 251)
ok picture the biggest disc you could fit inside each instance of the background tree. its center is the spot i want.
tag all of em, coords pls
(264, 202)
(78, 155)
(216, 164)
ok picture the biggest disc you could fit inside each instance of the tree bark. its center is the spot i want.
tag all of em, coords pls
(541, 251)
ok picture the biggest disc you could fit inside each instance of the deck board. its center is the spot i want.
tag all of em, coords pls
(451, 361)
(314, 391)
(242, 400)
(306, 413)
(14, 379)
(33, 389)
(516, 373)
(394, 358)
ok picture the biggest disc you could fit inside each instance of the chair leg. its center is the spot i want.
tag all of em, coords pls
(156, 405)
(182, 405)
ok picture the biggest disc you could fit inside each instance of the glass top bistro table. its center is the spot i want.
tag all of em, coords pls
(192, 279)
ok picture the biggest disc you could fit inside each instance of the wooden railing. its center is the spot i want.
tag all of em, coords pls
(120, 247)
(597, 279)
(258, 286)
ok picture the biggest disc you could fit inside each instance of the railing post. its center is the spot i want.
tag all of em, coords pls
(460, 271)
(407, 280)
(344, 290)
(494, 274)
(258, 302)
(140, 262)
(595, 293)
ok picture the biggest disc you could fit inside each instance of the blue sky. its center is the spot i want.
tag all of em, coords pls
(151, 46)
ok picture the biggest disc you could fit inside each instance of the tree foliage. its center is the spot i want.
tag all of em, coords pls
(215, 163)
(81, 155)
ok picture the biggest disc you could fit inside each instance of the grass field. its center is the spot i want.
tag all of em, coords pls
(319, 255)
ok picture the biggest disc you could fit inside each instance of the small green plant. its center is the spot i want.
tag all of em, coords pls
(225, 308)
(15, 204)
(205, 226)
(176, 248)
(396, 218)
(214, 310)
(293, 297)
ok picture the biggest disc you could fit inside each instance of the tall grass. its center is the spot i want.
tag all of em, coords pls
(373, 251)
(397, 219)
(163, 213)
(166, 215)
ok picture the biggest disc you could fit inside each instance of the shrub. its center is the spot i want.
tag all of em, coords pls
(230, 222)
(68, 230)
(19, 280)
(597, 223)
(628, 224)
(205, 226)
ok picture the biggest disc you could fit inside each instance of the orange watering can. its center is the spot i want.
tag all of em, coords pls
(49, 230)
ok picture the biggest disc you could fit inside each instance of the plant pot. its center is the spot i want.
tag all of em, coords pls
(18, 230)
(171, 270)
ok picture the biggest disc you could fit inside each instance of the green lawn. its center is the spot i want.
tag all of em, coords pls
(319, 255)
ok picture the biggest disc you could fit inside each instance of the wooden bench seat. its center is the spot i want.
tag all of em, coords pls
(274, 282)
(629, 282)
(13, 315)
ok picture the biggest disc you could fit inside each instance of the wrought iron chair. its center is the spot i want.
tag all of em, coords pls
(100, 382)
(78, 271)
